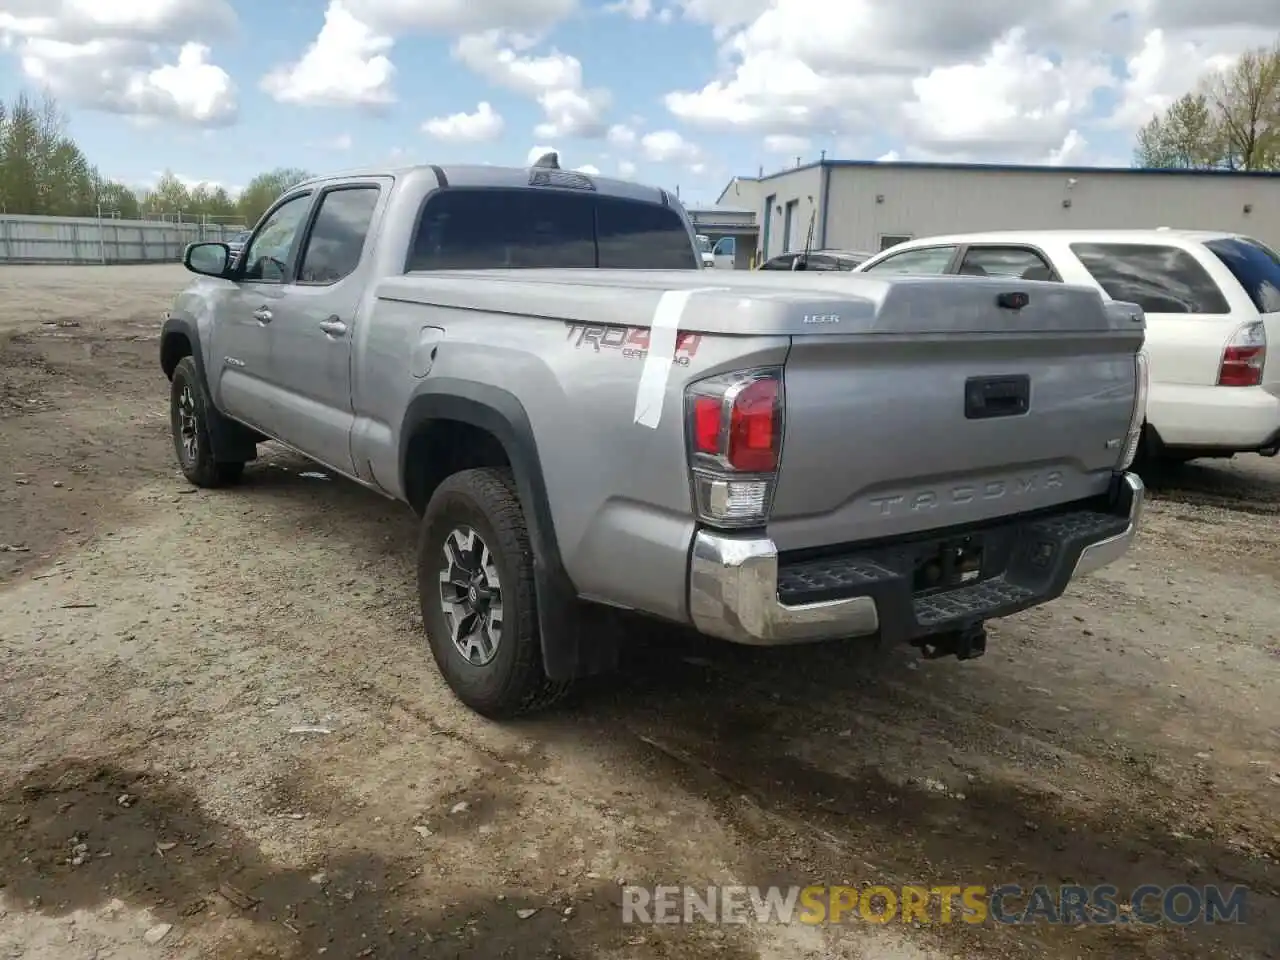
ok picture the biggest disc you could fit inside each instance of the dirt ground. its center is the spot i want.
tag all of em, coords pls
(161, 647)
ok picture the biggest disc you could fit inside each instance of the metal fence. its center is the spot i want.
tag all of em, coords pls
(25, 239)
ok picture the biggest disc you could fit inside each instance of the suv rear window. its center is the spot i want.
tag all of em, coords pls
(1255, 265)
(498, 228)
(1159, 279)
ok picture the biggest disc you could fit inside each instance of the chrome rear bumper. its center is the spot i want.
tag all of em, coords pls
(733, 588)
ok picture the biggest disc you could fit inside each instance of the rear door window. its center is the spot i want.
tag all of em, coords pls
(338, 235)
(780, 262)
(634, 235)
(1159, 279)
(819, 261)
(923, 261)
(1021, 262)
(1256, 267)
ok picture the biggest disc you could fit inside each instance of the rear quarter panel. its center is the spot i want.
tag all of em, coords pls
(618, 490)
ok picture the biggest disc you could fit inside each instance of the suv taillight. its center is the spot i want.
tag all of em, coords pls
(1244, 357)
(1142, 387)
(734, 429)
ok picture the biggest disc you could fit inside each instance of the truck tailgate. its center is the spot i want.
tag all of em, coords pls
(947, 408)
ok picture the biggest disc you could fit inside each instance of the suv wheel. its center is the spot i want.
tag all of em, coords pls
(188, 422)
(476, 589)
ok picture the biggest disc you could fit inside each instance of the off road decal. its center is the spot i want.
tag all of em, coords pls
(631, 342)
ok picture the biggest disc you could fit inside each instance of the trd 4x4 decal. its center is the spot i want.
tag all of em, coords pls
(632, 342)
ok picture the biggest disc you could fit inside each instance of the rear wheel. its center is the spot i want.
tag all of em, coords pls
(189, 425)
(476, 590)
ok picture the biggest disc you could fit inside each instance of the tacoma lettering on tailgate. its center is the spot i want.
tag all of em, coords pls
(917, 500)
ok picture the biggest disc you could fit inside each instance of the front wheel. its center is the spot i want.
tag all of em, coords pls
(189, 424)
(476, 589)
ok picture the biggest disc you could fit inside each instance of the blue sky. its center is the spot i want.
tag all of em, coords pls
(615, 52)
(682, 93)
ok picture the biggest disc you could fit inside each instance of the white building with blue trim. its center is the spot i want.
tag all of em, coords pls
(870, 205)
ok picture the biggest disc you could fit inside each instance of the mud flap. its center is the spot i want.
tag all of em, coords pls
(231, 442)
(579, 639)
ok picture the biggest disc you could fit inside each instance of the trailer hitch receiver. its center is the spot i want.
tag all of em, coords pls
(966, 643)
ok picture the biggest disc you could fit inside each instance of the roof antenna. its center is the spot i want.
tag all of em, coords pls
(549, 160)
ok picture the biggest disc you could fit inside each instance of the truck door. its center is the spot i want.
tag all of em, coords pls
(239, 374)
(316, 320)
(725, 252)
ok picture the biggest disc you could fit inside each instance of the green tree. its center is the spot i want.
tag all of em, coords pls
(42, 170)
(263, 190)
(1231, 121)
(168, 199)
(115, 199)
(1186, 137)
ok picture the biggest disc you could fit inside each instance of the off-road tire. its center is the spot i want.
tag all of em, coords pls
(201, 468)
(514, 681)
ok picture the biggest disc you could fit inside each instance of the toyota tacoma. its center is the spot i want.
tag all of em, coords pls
(533, 360)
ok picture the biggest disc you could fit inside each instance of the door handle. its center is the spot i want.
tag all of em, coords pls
(333, 327)
(262, 315)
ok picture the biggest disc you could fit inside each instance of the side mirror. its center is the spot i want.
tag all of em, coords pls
(208, 259)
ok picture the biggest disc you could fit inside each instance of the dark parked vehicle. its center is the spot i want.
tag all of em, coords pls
(236, 243)
(818, 260)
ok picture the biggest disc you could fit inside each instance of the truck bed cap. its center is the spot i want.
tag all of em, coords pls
(771, 303)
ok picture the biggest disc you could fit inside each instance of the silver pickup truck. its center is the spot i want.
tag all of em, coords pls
(585, 420)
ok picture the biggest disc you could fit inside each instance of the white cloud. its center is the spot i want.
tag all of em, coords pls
(1014, 101)
(786, 143)
(460, 16)
(145, 61)
(626, 169)
(667, 146)
(110, 75)
(155, 21)
(1072, 150)
(641, 10)
(341, 142)
(1160, 71)
(346, 65)
(478, 127)
(996, 80)
(554, 80)
(589, 169)
(635, 9)
(621, 135)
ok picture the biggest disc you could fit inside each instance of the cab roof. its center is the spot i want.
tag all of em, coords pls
(489, 175)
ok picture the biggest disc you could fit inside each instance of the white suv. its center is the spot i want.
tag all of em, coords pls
(1212, 302)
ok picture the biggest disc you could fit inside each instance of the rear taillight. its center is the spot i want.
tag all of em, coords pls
(734, 426)
(1142, 387)
(1244, 357)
